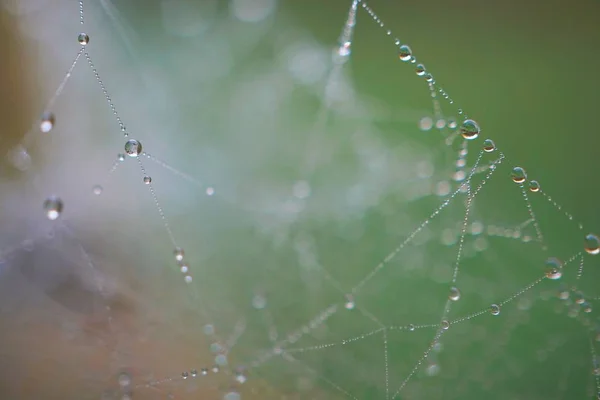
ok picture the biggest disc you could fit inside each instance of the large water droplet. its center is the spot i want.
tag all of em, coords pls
(404, 53)
(420, 70)
(147, 180)
(133, 148)
(592, 244)
(489, 145)
(83, 39)
(553, 268)
(178, 253)
(534, 186)
(518, 175)
(53, 207)
(470, 129)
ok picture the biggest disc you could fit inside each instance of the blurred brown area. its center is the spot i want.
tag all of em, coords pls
(15, 111)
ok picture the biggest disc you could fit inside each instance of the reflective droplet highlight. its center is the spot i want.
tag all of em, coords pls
(47, 122)
(489, 145)
(178, 253)
(534, 186)
(553, 268)
(133, 148)
(53, 206)
(404, 53)
(470, 129)
(454, 294)
(83, 39)
(147, 180)
(495, 309)
(518, 175)
(592, 244)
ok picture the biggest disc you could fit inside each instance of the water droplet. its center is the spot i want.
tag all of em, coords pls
(592, 244)
(534, 186)
(579, 298)
(518, 175)
(188, 279)
(553, 268)
(232, 396)
(210, 191)
(209, 330)
(454, 294)
(420, 70)
(204, 371)
(425, 124)
(445, 325)
(185, 375)
(184, 269)
(97, 190)
(587, 307)
(495, 309)
(452, 124)
(259, 302)
(404, 53)
(194, 373)
(47, 122)
(489, 145)
(178, 253)
(411, 327)
(83, 39)
(53, 207)
(433, 369)
(147, 180)
(470, 129)
(349, 305)
(121, 157)
(429, 77)
(124, 379)
(596, 371)
(133, 148)
(240, 377)
(215, 369)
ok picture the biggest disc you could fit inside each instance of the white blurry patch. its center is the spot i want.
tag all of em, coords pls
(252, 10)
(187, 18)
(307, 62)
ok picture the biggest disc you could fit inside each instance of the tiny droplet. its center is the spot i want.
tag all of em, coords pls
(53, 207)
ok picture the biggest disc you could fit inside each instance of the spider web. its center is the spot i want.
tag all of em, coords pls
(333, 247)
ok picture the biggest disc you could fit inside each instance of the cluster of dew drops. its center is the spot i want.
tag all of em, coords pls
(469, 130)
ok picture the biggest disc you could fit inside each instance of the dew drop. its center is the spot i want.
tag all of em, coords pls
(587, 307)
(97, 190)
(209, 329)
(204, 371)
(83, 39)
(259, 302)
(188, 279)
(178, 253)
(404, 53)
(147, 180)
(184, 269)
(495, 309)
(133, 148)
(489, 145)
(470, 129)
(194, 373)
(534, 186)
(47, 122)
(518, 175)
(124, 379)
(452, 124)
(592, 244)
(185, 375)
(349, 305)
(53, 207)
(425, 124)
(420, 70)
(232, 396)
(429, 77)
(445, 325)
(411, 327)
(553, 268)
(454, 294)
(240, 377)
(121, 157)
(215, 369)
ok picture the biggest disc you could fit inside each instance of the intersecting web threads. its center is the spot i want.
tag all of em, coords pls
(363, 266)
